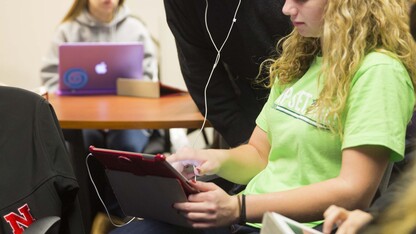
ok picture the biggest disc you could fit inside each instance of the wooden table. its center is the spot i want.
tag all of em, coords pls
(119, 112)
(116, 112)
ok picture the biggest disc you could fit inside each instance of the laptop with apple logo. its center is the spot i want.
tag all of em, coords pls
(93, 68)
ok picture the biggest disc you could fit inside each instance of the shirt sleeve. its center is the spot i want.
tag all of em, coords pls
(150, 61)
(261, 120)
(379, 107)
(49, 70)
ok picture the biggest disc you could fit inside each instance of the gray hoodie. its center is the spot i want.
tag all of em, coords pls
(85, 28)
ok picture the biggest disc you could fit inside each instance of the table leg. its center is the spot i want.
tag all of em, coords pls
(168, 144)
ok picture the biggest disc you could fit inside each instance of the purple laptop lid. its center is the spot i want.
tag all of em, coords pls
(93, 68)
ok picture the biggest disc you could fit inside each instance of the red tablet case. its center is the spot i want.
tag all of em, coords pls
(146, 186)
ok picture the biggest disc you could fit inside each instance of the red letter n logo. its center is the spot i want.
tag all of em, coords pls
(17, 222)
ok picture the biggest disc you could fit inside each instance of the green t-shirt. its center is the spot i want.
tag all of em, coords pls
(379, 107)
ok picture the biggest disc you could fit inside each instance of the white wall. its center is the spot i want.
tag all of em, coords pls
(27, 26)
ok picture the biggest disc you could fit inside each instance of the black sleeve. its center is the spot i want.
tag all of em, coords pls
(53, 145)
(197, 55)
(51, 141)
(51, 137)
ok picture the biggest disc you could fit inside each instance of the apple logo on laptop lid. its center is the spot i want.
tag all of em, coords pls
(101, 68)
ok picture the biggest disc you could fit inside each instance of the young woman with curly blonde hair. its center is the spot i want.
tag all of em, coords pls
(352, 30)
(342, 94)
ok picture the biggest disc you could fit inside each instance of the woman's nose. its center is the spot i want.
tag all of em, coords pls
(289, 8)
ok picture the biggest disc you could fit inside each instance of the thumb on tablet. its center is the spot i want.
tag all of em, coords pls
(206, 168)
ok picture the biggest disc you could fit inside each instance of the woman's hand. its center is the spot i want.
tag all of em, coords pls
(347, 221)
(212, 207)
(203, 162)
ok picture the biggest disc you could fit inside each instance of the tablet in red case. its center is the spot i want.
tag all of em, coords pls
(145, 185)
(140, 164)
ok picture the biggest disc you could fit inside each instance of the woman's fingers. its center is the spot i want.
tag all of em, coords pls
(348, 222)
(334, 215)
(211, 207)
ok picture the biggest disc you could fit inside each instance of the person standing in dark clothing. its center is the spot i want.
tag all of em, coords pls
(233, 99)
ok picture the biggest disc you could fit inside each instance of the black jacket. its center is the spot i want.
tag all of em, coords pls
(37, 179)
(233, 101)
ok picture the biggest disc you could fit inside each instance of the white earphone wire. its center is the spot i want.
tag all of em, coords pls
(101, 200)
(217, 59)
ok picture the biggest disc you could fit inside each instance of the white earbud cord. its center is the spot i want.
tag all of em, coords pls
(99, 197)
(217, 59)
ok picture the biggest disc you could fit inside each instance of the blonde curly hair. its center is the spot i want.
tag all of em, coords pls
(351, 30)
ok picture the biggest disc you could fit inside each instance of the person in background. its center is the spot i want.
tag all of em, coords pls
(394, 211)
(233, 98)
(328, 129)
(103, 21)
